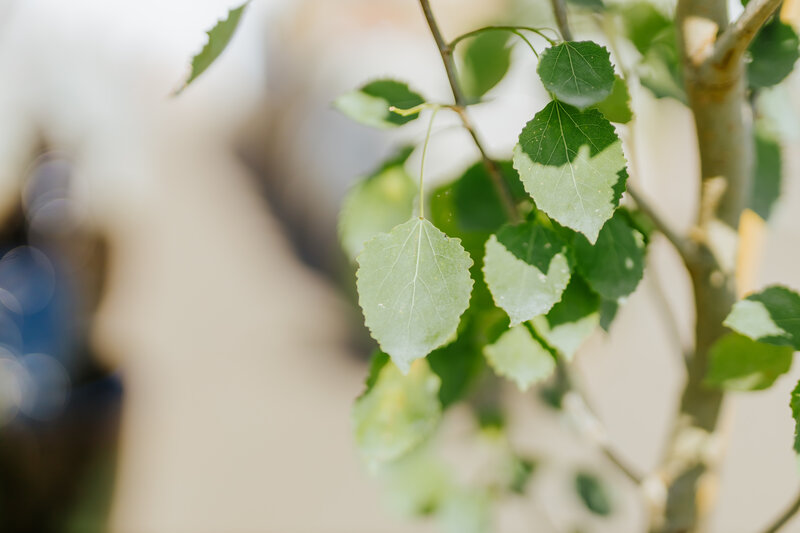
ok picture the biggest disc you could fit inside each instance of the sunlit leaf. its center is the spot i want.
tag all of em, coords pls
(572, 320)
(740, 363)
(370, 104)
(771, 316)
(397, 414)
(519, 357)
(417, 484)
(466, 510)
(617, 106)
(526, 269)
(413, 285)
(578, 73)
(570, 162)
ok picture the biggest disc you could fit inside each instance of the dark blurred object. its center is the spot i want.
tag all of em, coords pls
(59, 409)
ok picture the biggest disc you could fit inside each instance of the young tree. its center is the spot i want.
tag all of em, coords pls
(513, 265)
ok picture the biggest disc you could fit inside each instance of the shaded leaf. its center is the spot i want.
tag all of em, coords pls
(578, 73)
(519, 357)
(572, 320)
(614, 265)
(617, 106)
(476, 202)
(218, 38)
(773, 53)
(593, 493)
(370, 104)
(570, 162)
(740, 363)
(413, 285)
(485, 61)
(795, 405)
(376, 205)
(397, 414)
(526, 269)
(771, 316)
(457, 364)
(767, 176)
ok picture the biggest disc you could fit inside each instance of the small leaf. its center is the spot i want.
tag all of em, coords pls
(416, 484)
(572, 320)
(767, 174)
(486, 60)
(644, 24)
(218, 38)
(795, 405)
(593, 493)
(370, 104)
(617, 105)
(570, 162)
(773, 52)
(771, 316)
(397, 414)
(519, 357)
(465, 510)
(614, 265)
(526, 270)
(376, 364)
(376, 205)
(413, 285)
(740, 363)
(578, 73)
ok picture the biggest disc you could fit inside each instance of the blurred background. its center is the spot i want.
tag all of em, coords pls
(179, 342)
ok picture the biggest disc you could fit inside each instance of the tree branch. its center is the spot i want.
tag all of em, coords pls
(493, 170)
(732, 43)
(787, 515)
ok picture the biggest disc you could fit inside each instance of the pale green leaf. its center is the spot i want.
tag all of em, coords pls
(376, 205)
(486, 60)
(771, 316)
(466, 510)
(526, 269)
(740, 363)
(370, 104)
(417, 483)
(397, 413)
(578, 73)
(570, 162)
(617, 106)
(795, 405)
(572, 320)
(218, 38)
(614, 265)
(519, 357)
(413, 285)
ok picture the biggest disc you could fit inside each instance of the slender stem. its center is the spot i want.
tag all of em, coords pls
(682, 245)
(521, 36)
(560, 11)
(512, 29)
(417, 108)
(493, 170)
(422, 164)
(732, 43)
(784, 518)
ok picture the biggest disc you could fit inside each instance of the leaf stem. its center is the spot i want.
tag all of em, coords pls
(787, 515)
(422, 163)
(417, 108)
(512, 29)
(492, 168)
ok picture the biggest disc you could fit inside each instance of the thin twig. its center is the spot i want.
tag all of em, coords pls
(732, 43)
(560, 12)
(458, 94)
(512, 29)
(684, 247)
(787, 515)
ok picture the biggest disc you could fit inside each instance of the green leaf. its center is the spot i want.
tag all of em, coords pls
(486, 60)
(457, 364)
(740, 363)
(416, 484)
(476, 204)
(526, 269)
(572, 320)
(465, 510)
(644, 24)
(773, 54)
(570, 162)
(519, 357)
(577, 72)
(397, 414)
(767, 174)
(593, 493)
(771, 316)
(614, 265)
(616, 107)
(218, 38)
(660, 70)
(795, 405)
(413, 285)
(376, 205)
(376, 364)
(370, 104)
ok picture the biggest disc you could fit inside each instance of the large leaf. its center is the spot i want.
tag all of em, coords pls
(572, 320)
(577, 72)
(526, 269)
(370, 104)
(413, 285)
(486, 60)
(773, 52)
(397, 413)
(519, 357)
(218, 38)
(614, 265)
(767, 176)
(740, 363)
(771, 316)
(376, 205)
(570, 162)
